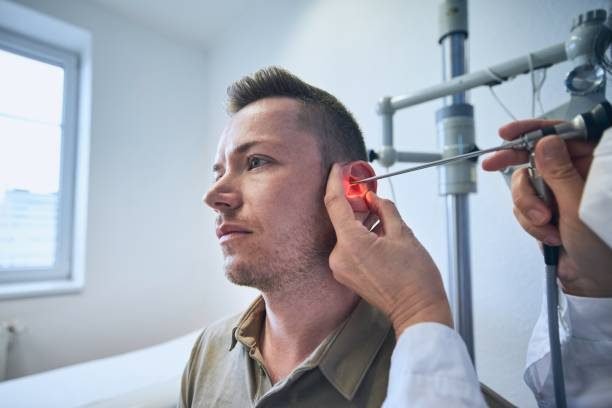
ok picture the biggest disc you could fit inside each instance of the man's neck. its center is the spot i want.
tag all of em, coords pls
(299, 319)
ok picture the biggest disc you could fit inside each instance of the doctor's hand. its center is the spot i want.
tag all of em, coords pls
(585, 264)
(387, 266)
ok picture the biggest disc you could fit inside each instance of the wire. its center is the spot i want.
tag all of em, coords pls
(499, 79)
(533, 83)
(538, 89)
(551, 260)
(392, 196)
(494, 75)
(552, 306)
(391, 188)
(536, 86)
(504, 107)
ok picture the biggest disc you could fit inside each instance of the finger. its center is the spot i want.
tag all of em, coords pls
(526, 199)
(370, 221)
(555, 165)
(390, 217)
(378, 229)
(580, 148)
(502, 159)
(580, 151)
(547, 234)
(339, 210)
(514, 129)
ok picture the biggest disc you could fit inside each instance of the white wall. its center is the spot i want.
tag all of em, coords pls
(153, 267)
(362, 50)
(146, 270)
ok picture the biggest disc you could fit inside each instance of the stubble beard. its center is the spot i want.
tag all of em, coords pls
(296, 260)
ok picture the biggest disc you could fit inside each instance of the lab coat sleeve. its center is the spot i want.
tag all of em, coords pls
(430, 367)
(586, 345)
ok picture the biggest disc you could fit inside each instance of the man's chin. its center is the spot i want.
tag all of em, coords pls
(238, 278)
(243, 276)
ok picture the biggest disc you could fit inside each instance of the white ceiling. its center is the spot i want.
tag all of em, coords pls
(194, 22)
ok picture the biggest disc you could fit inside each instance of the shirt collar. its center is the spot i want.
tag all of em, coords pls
(248, 328)
(344, 357)
(347, 360)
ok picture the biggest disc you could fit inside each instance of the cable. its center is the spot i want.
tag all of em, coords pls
(499, 79)
(391, 188)
(536, 86)
(551, 255)
(533, 83)
(551, 259)
(392, 196)
(494, 75)
(539, 90)
(504, 107)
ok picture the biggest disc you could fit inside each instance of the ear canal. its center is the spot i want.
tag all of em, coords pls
(356, 189)
(360, 170)
(355, 193)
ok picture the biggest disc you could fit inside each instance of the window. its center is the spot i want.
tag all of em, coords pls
(42, 156)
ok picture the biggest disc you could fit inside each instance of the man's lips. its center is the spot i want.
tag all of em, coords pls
(227, 231)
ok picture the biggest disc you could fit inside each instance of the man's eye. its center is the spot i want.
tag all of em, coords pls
(254, 162)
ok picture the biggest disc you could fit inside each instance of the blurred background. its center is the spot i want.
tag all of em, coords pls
(159, 71)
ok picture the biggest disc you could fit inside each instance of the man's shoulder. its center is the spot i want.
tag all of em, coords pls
(211, 359)
(212, 348)
(220, 331)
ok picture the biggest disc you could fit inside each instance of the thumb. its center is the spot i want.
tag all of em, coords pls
(555, 165)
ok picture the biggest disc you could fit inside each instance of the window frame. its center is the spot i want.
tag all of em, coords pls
(68, 61)
(31, 34)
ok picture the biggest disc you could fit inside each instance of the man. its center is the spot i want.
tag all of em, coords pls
(423, 375)
(308, 340)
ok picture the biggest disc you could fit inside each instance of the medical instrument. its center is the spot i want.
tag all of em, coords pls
(551, 260)
(585, 49)
(588, 126)
(594, 123)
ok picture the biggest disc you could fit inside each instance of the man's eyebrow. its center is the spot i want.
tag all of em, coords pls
(243, 148)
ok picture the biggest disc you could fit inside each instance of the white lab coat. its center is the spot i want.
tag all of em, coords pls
(430, 366)
(597, 195)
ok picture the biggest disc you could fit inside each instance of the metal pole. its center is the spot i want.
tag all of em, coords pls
(415, 157)
(503, 71)
(456, 129)
(460, 277)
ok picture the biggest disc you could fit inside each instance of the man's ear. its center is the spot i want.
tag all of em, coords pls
(355, 193)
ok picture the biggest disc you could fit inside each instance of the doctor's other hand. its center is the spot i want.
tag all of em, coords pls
(585, 265)
(387, 266)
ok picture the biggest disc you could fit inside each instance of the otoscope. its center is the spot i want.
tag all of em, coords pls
(588, 126)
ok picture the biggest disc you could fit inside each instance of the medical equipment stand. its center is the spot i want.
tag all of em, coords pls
(586, 84)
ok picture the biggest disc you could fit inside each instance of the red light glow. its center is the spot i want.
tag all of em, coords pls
(354, 190)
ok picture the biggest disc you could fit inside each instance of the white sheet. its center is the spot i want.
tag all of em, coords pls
(148, 377)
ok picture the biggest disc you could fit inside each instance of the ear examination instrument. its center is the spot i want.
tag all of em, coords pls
(587, 126)
(584, 50)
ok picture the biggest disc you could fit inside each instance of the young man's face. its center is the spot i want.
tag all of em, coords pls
(268, 196)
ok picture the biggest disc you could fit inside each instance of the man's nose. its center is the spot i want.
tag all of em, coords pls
(224, 195)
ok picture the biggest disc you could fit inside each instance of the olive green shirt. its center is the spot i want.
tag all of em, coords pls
(349, 368)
